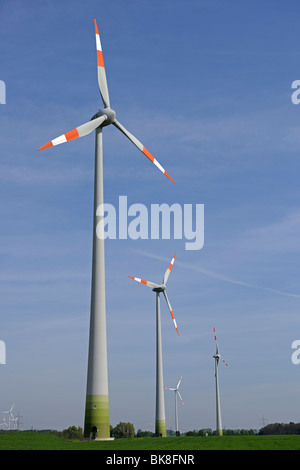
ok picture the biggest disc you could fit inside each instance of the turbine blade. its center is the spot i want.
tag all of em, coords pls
(140, 146)
(101, 70)
(224, 362)
(217, 350)
(180, 398)
(168, 388)
(179, 383)
(80, 131)
(147, 283)
(171, 311)
(167, 273)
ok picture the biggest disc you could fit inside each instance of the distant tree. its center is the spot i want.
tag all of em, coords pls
(72, 432)
(123, 430)
(191, 433)
(280, 428)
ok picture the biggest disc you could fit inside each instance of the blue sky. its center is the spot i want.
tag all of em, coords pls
(206, 87)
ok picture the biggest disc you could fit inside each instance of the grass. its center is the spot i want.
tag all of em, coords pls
(43, 441)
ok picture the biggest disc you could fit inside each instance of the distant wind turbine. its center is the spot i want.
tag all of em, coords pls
(160, 417)
(4, 424)
(217, 357)
(176, 411)
(10, 415)
(97, 406)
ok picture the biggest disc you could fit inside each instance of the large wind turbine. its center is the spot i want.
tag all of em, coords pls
(160, 416)
(176, 411)
(217, 357)
(97, 406)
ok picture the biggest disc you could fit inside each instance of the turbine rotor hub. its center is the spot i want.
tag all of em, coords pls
(110, 116)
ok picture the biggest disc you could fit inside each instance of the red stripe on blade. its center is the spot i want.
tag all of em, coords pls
(73, 134)
(100, 61)
(148, 154)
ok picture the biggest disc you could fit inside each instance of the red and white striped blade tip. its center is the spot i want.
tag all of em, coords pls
(171, 311)
(78, 131)
(175, 324)
(215, 336)
(156, 163)
(180, 398)
(100, 61)
(142, 148)
(179, 382)
(168, 270)
(172, 262)
(143, 281)
(138, 280)
(174, 321)
(73, 134)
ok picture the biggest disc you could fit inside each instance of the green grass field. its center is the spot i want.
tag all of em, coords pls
(43, 441)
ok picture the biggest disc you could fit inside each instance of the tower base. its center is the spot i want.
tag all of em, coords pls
(97, 417)
(160, 428)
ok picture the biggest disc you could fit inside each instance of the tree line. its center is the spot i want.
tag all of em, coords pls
(125, 430)
(280, 428)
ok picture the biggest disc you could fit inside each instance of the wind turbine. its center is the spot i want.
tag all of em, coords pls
(97, 406)
(3, 424)
(217, 357)
(15, 421)
(160, 417)
(176, 411)
(10, 415)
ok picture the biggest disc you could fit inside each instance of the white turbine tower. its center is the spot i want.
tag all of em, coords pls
(217, 357)
(97, 406)
(176, 410)
(160, 417)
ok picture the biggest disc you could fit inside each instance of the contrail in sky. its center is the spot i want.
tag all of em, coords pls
(218, 276)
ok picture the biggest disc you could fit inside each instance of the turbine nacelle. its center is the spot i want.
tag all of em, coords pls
(159, 289)
(108, 113)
